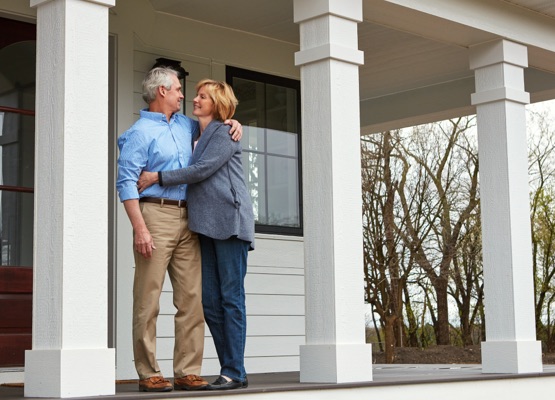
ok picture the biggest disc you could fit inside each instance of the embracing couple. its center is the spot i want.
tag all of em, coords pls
(181, 183)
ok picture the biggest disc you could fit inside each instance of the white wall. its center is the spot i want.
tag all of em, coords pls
(275, 277)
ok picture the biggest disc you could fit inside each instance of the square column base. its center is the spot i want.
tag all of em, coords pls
(70, 373)
(511, 357)
(338, 363)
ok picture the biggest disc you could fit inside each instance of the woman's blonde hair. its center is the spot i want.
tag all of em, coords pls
(223, 97)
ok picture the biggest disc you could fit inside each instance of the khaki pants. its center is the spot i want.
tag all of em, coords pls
(177, 251)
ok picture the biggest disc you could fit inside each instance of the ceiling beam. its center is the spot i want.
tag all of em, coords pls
(496, 17)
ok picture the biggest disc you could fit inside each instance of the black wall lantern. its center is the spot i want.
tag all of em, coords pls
(181, 73)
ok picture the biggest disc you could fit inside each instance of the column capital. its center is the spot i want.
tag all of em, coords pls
(108, 3)
(503, 93)
(499, 51)
(329, 51)
(305, 9)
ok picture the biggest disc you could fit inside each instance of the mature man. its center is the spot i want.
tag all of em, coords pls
(162, 140)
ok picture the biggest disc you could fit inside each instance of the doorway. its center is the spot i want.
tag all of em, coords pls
(17, 153)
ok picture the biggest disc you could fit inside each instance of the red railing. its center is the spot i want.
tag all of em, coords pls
(17, 111)
(19, 189)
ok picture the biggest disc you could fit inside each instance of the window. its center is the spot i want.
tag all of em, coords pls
(269, 109)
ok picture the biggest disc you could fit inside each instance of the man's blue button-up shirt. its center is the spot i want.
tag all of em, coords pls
(154, 144)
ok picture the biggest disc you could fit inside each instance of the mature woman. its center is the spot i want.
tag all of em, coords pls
(220, 211)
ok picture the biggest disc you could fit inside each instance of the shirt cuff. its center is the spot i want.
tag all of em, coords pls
(160, 182)
(128, 193)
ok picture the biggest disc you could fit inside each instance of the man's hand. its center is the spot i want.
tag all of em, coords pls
(236, 130)
(146, 180)
(143, 243)
(142, 240)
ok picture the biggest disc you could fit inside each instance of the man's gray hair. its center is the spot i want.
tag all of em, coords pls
(156, 77)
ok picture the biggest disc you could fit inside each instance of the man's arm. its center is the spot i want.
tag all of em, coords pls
(236, 130)
(132, 160)
(142, 241)
(217, 152)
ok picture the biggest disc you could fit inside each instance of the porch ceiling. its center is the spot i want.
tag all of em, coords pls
(417, 51)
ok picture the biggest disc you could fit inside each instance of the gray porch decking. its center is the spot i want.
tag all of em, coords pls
(384, 375)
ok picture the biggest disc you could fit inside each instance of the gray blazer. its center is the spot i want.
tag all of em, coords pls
(217, 197)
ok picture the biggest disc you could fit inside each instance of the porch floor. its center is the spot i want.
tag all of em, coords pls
(383, 375)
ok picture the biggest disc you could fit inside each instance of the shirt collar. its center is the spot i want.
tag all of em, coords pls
(155, 116)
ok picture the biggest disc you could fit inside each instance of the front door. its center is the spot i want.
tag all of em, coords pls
(17, 149)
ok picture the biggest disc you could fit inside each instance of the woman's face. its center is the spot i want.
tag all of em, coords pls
(203, 106)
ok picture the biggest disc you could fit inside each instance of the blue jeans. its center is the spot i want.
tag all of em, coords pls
(224, 266)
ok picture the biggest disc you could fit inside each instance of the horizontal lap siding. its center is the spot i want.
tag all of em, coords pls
(266, 325)
(257, 346)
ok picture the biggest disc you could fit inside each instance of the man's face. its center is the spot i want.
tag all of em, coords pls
(174, 96)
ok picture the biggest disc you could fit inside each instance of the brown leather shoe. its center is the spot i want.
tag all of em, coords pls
(190, 382)
(155, 384)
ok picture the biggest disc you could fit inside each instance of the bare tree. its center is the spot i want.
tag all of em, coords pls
(381, 243)
(423, 233)
(441, 155)
(467, 286)
(542, 214)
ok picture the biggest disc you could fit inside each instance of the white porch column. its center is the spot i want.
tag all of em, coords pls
(335, 349)
(500, 99)
(70, 355)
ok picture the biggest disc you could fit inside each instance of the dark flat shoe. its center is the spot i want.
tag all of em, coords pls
(223, 384)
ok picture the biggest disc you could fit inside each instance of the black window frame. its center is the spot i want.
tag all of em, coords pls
(235, 72)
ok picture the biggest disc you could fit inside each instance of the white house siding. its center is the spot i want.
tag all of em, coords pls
(275, 277)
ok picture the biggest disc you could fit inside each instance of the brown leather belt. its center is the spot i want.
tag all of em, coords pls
(164, 202)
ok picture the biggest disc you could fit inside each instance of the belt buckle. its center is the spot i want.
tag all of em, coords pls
(179, 202)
